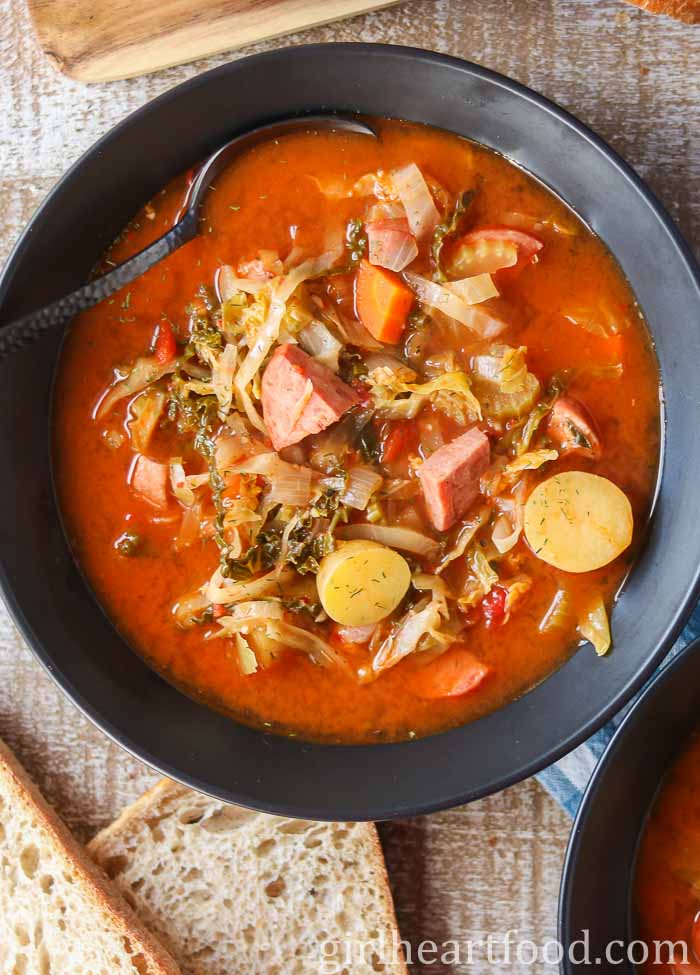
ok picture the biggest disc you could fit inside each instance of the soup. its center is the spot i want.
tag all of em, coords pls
(373, 454)
(667, 889)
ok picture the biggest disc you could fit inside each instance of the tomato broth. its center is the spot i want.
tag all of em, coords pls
(667, 887)
(567, 323)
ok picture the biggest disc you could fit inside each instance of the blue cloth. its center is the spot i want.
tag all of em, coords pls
(567, 779)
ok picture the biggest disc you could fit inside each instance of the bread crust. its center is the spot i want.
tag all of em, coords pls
(686, 10)
(95, 886)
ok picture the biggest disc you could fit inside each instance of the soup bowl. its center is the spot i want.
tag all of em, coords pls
(53, 605)
(596, 913)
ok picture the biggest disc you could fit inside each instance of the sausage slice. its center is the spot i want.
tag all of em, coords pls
(450, 477)
(300, 396)
(572, 429)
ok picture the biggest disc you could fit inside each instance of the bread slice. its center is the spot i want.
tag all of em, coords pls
(685, 10)
(58, 912)
(233, 892)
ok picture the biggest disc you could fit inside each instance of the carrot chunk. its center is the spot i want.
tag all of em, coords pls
(454, 673)
(383, 302)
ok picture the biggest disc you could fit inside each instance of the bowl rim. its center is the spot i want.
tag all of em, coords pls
(380, 808)
(604, 768)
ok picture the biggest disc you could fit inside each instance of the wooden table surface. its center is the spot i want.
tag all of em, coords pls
(494, 865)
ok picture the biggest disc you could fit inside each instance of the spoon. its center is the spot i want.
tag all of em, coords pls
(28, 329)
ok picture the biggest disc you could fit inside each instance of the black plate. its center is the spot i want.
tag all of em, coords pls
(597, 886)
(54, 608)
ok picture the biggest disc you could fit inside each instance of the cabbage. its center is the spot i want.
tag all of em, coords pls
(449, 393)
(558, 614)
(297, 638)
(453, 304)
(222, 371)
(221, 591)
(143, 372)
(465, 537)
(289, 483)
(601, 320)
(503, 384)
(144, 414)
(594, 626)
(319, 342)
(418, 623)
(422, 214)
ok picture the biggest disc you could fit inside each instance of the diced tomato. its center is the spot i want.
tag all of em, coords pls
(455, 672)
(400, 440)
(165, 346)
(493, 606)
(218, 611)
(527, 245)
(383, 302)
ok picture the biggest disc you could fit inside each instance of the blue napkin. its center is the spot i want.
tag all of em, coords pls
(567, 779)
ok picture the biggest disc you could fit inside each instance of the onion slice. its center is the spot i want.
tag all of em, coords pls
(391, 244)
(361, 484)
(395, 536)
(454, 306)
(423, 216)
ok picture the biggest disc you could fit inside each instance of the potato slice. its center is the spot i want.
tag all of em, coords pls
(577, 521)
(362, 582)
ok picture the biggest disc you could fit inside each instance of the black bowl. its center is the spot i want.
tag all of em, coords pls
(52, 604)
(597, 885)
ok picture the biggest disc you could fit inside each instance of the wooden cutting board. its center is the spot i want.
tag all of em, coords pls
(102, 40)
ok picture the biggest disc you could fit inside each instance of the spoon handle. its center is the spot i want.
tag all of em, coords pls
(24, 331)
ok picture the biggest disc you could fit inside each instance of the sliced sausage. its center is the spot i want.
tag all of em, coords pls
(450, 477)
(300, 396)
(150, 480)
(572, 429)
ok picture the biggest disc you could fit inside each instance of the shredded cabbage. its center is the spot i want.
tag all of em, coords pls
(452, 304)
(143, 372)
(503, 384)
(422, 214)
(319, 341)
(145, 412)
(449, 393)
(289, 483)
(594, 626)
(558, 614)
(419, 622)
(465, 537)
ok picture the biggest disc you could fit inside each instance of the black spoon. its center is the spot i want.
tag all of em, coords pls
(28, 329)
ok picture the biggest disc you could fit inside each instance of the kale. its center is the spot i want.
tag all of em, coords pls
(306, 544)
(351, 365)
(448, 228)
(355, 242)
(368, 444)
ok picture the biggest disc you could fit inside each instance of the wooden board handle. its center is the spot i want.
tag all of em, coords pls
(103, 40)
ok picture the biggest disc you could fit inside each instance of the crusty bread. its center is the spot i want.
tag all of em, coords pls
(232, 892)
(685, 10)
(58, 912)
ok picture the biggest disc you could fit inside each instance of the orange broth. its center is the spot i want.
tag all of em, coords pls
(269, 199)
(667, 886)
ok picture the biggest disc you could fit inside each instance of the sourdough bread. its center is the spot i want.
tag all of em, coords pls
(233, 892)
(59, 915)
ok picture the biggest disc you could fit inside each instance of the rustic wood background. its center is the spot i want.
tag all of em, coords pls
(495, 865)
